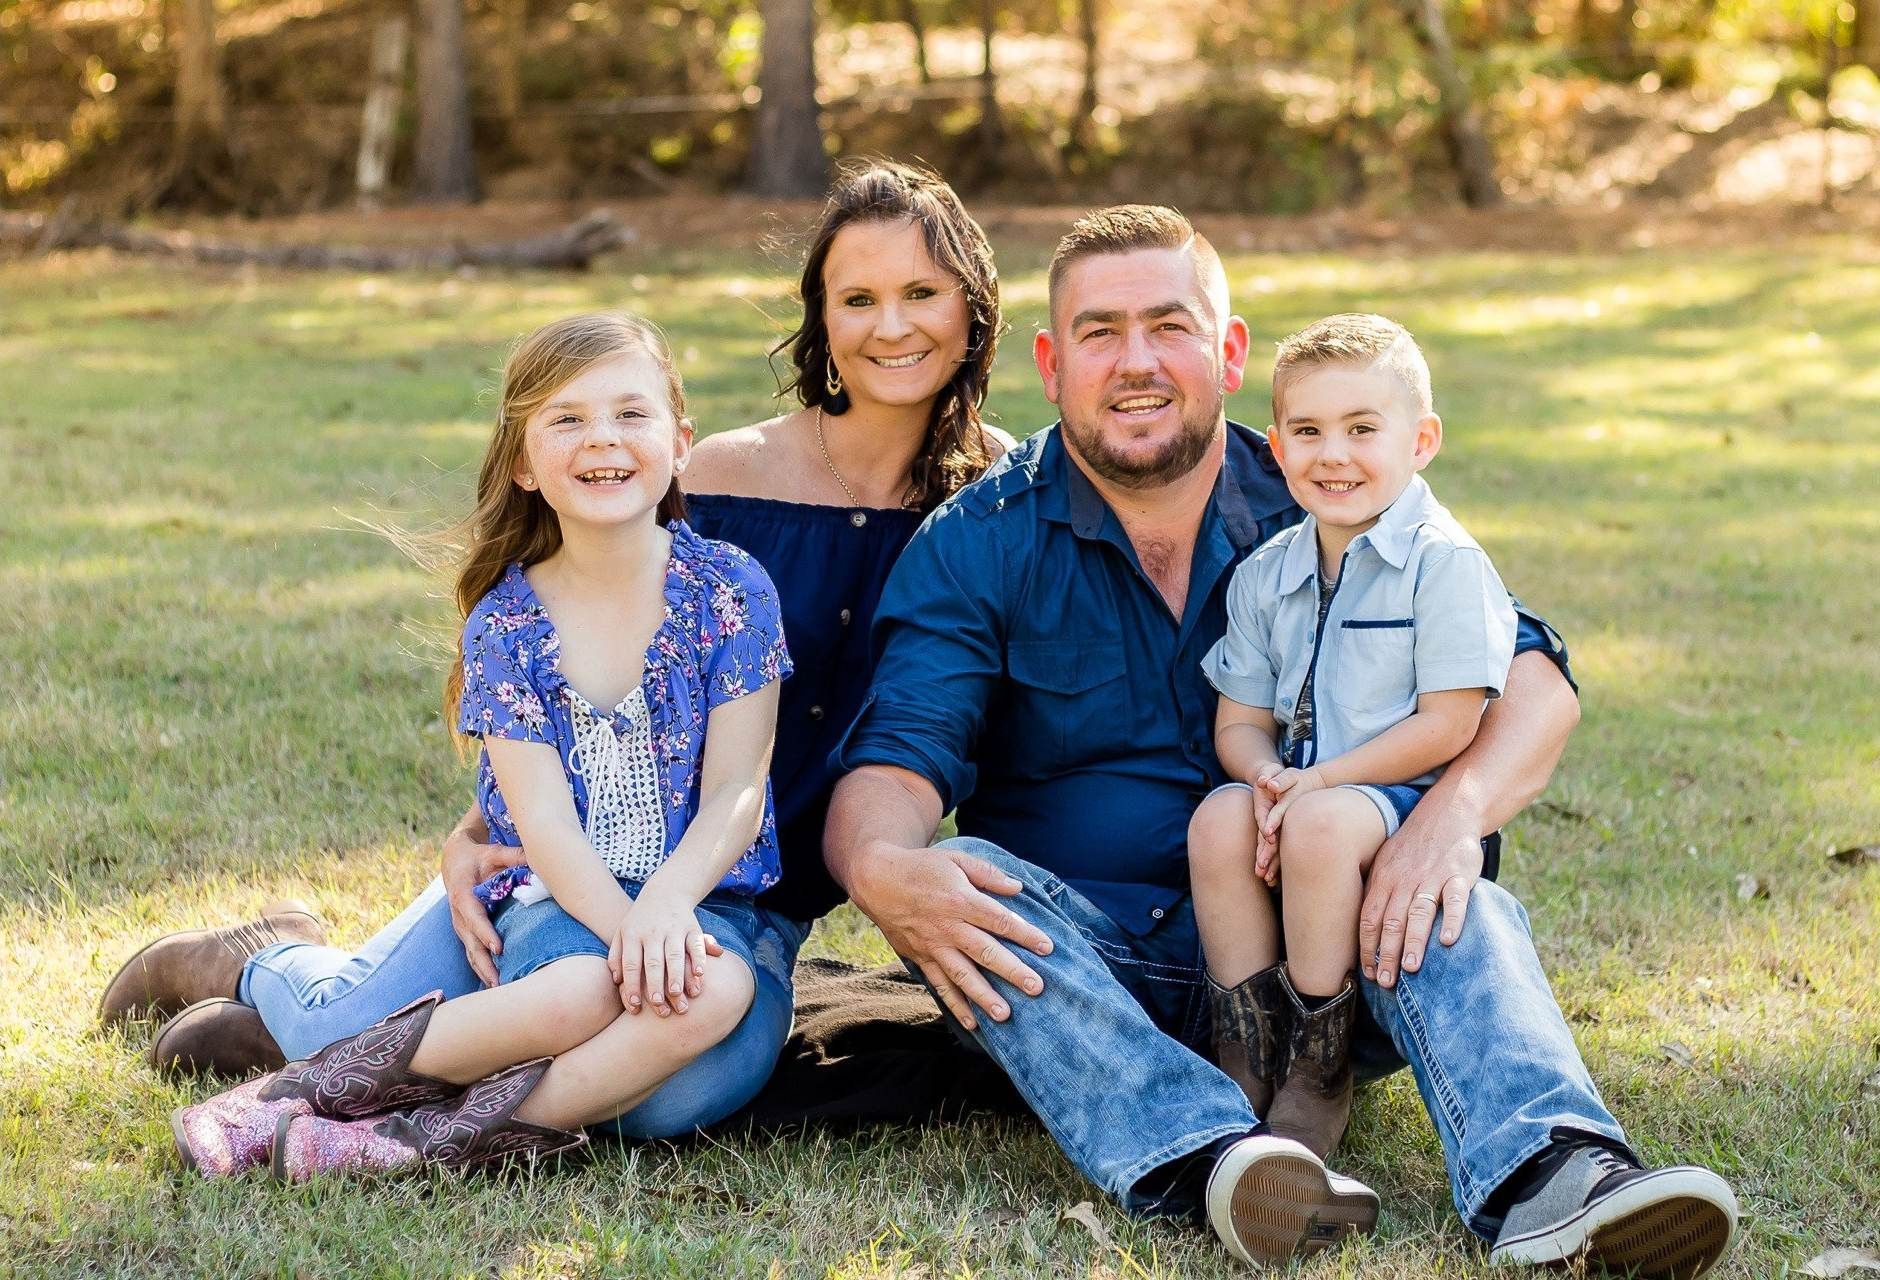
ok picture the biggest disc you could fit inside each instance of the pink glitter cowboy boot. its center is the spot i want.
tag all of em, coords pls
(477, 1128)
(366, 1075)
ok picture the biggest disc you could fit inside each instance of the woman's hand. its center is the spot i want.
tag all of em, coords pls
(659, 951)
(467, 864)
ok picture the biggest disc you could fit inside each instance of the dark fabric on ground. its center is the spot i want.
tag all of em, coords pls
(870, 1047)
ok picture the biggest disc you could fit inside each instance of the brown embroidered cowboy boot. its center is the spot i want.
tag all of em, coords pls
(366, 1075)
(1314, 1103)
(1251, 1021)
(477, 1128)
(180, 969)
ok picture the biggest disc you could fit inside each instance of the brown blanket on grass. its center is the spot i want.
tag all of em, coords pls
(870, 1047)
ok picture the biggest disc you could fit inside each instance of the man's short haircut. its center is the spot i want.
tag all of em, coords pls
(1127, 228)
(1355, 338)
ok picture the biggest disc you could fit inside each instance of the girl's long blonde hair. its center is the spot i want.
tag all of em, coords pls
(513, 525)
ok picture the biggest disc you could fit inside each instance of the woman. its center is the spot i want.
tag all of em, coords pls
(889, 364)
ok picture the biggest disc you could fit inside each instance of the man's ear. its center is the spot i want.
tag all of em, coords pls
(1429, 439)
(1236, 341)
(1044, 354)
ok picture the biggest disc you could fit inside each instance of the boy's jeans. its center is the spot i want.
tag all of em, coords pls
(311, 996)
(1106, 1055)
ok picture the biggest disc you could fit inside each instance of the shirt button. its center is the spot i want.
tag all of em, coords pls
(847, 617)
(1156, 914)
(815, 713)
(858, 518)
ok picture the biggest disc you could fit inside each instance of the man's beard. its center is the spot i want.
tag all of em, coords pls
(1172, 461)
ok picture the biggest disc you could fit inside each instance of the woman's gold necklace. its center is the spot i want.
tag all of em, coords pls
(830, 462)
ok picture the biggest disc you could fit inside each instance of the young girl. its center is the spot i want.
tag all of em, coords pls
(622, 675)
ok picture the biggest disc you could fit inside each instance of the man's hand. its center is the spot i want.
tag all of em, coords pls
(935, 908)
(467, 864)
(1435, 858)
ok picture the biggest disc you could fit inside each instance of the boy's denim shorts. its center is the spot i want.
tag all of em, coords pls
(536, 933)
(1394, 803)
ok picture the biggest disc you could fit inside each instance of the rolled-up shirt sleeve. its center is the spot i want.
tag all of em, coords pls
(940, 636)
(1465, 626)
(1534, 633)
(1240, 665)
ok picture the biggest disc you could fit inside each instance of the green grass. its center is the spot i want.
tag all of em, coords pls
(217, 688)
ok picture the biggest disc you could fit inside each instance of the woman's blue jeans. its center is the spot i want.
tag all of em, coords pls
(1108, 1054)
(310, 996)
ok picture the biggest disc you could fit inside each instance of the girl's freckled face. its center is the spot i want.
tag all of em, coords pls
(604, 447)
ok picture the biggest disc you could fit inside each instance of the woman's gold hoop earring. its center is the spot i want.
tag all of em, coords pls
(832, 381)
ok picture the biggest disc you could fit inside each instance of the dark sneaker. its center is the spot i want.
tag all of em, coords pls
(1668, 1224)
(1270, 1199)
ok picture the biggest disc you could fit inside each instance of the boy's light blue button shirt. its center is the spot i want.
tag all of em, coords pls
(1418, 608)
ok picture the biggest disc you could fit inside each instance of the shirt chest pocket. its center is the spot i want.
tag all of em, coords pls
(1068, 702)
(1376, 672)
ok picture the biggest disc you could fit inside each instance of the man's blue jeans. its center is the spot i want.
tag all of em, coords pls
(1107, 1055)
(311, 996)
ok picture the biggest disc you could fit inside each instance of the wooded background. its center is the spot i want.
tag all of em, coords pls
(272, 106)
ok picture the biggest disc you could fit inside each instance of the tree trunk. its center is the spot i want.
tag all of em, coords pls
(1084, 125)
(917, 26)
(1624, 28)
(378, 130)
(1469, 152)
(446, 168)
(569, 248)
(1866, 49)
(512, 29)
(201, 102)
(787, 155)
(991, 129)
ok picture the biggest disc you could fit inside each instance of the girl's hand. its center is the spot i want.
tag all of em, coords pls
(1285, 787)
(659, 951)
(1266, 847)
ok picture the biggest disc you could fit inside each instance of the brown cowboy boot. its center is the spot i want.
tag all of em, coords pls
(216, 1036)
(1251, 1021)
(1314, 1103)
(477, 1128)
(366, 1075)
(179, 969)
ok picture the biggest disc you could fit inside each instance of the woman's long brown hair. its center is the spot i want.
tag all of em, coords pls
(513, 525)
(883, 191)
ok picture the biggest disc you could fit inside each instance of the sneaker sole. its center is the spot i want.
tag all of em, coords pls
(1674, 1225)
(1284, 1203)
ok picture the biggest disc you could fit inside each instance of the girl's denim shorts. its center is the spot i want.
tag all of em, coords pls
(536, 933)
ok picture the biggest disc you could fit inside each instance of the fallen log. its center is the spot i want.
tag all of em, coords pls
(571, 248)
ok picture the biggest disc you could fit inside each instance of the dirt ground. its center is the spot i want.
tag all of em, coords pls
(714, 222)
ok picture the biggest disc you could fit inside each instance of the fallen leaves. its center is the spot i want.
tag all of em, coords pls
(1084, 1214)
(1749, 888)
(1838, 1262)
(1860, 855)
(1678, 1054)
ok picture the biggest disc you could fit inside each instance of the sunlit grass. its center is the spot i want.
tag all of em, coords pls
(219, 688)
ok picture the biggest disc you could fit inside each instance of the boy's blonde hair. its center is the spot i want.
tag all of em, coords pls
(1355, 338)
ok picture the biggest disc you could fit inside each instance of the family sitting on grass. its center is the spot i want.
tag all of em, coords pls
(1229, 723)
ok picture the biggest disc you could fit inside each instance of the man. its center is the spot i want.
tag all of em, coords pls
(1041, 644)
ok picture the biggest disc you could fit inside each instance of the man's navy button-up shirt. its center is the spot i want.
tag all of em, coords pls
(1030, 670)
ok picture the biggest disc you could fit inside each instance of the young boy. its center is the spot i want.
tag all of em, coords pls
(1361, 647)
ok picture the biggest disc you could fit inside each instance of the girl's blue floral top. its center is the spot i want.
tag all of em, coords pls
(722, 638)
